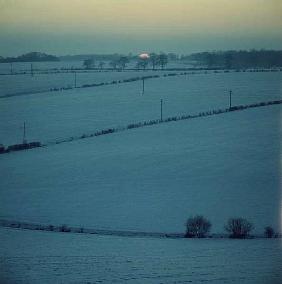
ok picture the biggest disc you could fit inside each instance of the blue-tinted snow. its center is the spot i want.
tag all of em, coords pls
(43, 257)
(57, 115)
(152, 179)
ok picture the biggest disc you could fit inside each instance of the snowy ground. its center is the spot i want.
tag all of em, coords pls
(59, 115)
(24, 84)
(45, 77)
(43, 257)
(5, 68)
(148, 179)
(152, 179)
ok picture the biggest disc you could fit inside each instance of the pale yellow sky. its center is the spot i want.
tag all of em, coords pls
(145, 18)
(143, 15)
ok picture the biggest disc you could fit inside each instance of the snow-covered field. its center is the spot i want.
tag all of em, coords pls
(57, 115)
(11, 85)
(152, 179)
(148, 179)
(5, 68)
(43, 257)
(19, 67)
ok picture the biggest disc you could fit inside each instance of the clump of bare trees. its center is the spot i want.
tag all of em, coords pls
(238, 228)
(123, 61)
(269, 232)
(155, 60)
(197, 227)
(101, 65)
(142, 63)
(89, 63)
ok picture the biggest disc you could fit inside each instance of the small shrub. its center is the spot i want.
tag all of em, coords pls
(80, 230)
(15, 225)
(197, 227)
(65, 229)
(269, 232)
(238, 228)
(51, 228)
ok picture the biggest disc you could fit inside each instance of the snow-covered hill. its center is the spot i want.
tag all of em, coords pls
(59, 115)
(152, 179)
(44, 257)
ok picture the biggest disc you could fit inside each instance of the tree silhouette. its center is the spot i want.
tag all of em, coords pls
(197, 227)
(142, 63)
(89, 63)
(101, 65)
(154, 60)
(163, 60)
(269, 232)
(113, 64)
(238, 59)
(123, 60)
(238, 228)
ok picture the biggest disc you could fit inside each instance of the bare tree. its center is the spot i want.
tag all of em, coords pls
(154, 60)
(163, 60)
(89, 63)
(64, 228)
(101, 65)
(228, 60)
(138, 65)
(197, 227)
(123, 60)
(113, 64)
(238, 228)
(142, 63)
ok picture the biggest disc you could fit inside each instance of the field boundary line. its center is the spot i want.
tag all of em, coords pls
(135, 125)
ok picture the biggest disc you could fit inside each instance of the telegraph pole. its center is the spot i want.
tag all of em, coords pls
(143, 86)
(24, 134)
(230, 99)
(161, 110)
(31, 70)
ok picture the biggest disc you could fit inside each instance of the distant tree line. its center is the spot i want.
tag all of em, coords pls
(197, 227)
(116, 63)
(231, 59)
(237, 59)
(111, 57)
(95, 57)
(30, 57)
(153, 61)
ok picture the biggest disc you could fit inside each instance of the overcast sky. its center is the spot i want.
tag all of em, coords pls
(107, 26)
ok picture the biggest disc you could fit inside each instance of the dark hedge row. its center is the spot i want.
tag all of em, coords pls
(134, 79)
(81, 230)
(169, 119)
(146, 123)
(19, 147)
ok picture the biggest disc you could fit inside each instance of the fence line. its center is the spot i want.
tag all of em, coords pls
(71, 229)
(133, 79)
(166, 120)
(107, 70)
(139, 125)
(103, 232)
